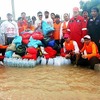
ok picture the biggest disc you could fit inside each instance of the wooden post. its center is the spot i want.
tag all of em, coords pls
(13, 9)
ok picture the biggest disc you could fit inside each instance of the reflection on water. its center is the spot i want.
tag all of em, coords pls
(49, 83)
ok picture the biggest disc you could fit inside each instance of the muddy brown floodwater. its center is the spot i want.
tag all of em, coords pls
(49, 83)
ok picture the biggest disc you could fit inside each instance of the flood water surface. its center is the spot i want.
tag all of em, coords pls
(49, 83)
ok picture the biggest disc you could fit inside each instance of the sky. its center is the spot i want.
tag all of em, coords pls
(31, 7)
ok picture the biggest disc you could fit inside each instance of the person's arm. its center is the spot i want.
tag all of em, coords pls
(94, 52)
(61, 31)
(84, 28)
(76, 47)
(63, 51)
(68, 28)
(37, 25)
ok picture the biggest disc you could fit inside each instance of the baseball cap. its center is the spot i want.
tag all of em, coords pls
(66, 36)
(87, 37)
(75, 9)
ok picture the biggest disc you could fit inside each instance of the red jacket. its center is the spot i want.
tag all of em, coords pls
(77, 29)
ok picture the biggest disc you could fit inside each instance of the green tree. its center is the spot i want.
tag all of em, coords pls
(89, 4)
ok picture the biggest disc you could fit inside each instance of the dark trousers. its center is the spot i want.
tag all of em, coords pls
(2, 51)
(62, 41)
(85, 62)
(9, 40)
(57, 46)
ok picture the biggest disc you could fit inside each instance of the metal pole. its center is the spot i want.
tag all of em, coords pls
(13, 9)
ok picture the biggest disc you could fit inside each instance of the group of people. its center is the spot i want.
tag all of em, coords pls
(78, 37)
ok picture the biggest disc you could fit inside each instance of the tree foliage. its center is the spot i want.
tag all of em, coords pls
(89, 4)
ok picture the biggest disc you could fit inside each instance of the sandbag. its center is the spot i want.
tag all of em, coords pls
(31, 50)
(15, 55)
(17, 40)
(46, 28)
(34, 43)
(51, 43)
(30, 56)
(11, 47)
(37, 35)
(46, 40)
(8, 54)
(51, 52)
(26, 36)
(21, 50)
(25, 41)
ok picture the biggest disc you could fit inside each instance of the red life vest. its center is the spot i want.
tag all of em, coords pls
(69, 46)
(56, 34)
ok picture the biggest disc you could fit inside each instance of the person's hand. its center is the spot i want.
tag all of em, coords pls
(39, 25)
(84, 57)
(67, 56)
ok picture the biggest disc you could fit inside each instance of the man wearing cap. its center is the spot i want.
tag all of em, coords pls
(89, 53)
(10, 29)
(70, 49)
(76, 28)
(93, 26)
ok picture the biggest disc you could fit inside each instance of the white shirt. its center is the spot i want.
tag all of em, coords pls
(38, 22)
(9, 28)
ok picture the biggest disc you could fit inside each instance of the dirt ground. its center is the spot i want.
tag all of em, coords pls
(49, 83)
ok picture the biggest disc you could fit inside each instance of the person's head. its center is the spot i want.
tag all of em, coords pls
(9, 17)
(19, 18)
(23, 15)
(75, 12)
(46, 14)
(66, 16)
(57, 18)
(85, 13)
(94, 12)
(67, 38)
(40, 15)
(29, 23)
(33, 19)
(87, 39)
(52, 16)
